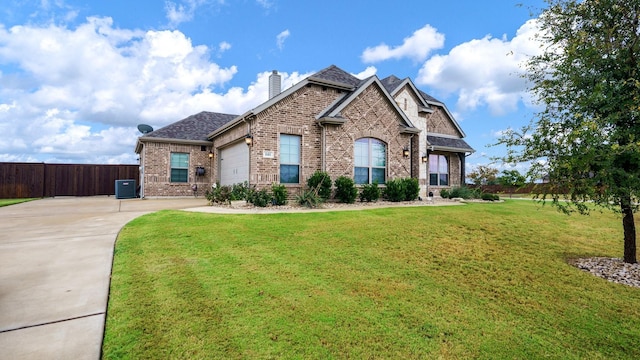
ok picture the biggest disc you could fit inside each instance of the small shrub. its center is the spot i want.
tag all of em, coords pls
(239, 191)
(395, 190)
(219, 194)
(490, 197)
(370, 192)
(320, 182)
(260, 198)
(309, 198)
(411, 189)
(444, 193)
(279, 194)
(346, 191)
(465, 193)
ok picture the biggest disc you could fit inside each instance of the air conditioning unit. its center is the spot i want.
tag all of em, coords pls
(125, 189)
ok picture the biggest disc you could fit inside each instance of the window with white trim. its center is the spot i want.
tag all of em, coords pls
(370, 161)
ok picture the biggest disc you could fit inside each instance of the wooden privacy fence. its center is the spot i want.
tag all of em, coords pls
(35, 180)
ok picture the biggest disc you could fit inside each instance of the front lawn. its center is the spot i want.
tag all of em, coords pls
(474, 281)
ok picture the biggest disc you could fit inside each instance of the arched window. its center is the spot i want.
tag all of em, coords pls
(370, 161)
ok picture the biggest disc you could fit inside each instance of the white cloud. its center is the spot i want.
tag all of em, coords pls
(416, 47)
(484, 71)
(77, 94)
(178, 13)
(281, 38)
(369, 71)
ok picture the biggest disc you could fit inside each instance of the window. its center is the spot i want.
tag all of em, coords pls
(438, 170)
(370, 160)
(179, 167)
(289, 159)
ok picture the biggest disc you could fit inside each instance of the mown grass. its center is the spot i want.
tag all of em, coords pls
(7, 202)
(475, 281)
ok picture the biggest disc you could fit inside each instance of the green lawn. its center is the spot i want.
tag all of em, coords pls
(476, 281)
(7, 202)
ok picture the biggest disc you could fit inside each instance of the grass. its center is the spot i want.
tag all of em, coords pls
(474, 281)
(7, 202)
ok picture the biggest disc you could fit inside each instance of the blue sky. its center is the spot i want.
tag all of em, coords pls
(78, 76)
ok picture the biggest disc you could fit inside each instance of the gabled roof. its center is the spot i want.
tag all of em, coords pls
(332, 113)
(393, 84)
(192, 129)
(331, 76)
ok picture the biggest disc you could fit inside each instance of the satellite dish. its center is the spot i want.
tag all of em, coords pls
(144, 128)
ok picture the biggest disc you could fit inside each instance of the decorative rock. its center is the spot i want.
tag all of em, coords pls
(611, 269)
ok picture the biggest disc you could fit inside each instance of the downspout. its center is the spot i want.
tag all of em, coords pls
(323, 164)
(248, 132)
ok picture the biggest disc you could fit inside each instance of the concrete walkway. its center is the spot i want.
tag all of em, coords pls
(55, 265)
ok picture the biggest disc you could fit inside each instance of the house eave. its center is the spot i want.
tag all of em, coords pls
(142, 140)
(334, 84)
(331, 120)
(410, 130)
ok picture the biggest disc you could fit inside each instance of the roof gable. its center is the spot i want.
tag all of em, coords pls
(333, 111)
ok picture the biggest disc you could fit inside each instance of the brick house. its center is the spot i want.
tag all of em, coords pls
(369, 130)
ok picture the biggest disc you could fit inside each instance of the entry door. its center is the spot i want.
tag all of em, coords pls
(234, 164)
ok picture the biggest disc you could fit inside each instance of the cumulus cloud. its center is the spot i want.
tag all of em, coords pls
(416, 47)
(369, 71)
(484, 72)
(184, 11)
(78, 94)
(281, 38)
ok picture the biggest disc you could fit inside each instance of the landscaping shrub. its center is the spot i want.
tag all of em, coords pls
(309, 198)
(279, 194)
(444, 193)
(346, 191)
(320, 182)
(370, 192)
(490, 197)
(395, 190)
(218, 194)
(260, 198)
(465, 193)
(411, 189)
(239, 191)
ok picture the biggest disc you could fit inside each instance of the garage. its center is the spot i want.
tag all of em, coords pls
(234, 164)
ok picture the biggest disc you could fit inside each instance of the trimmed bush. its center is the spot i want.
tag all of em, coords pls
(370, 192)
(411, 189)
(444, 193)
(260, 198)
(218, 194)
(320, 182)
(395, 190)
(346, 191)
(279, 194)
(239, 191)
(490, 197)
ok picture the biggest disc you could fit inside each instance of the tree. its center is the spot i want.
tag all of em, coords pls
(483, 175)
(512, 178)
(587, 135)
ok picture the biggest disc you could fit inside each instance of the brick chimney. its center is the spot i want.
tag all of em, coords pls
(274, 84)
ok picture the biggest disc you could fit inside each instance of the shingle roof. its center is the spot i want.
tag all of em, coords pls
(390, 83)
(449, 143)
(195, 127)
(335, 74)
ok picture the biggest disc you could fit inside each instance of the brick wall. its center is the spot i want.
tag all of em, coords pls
(155, 159)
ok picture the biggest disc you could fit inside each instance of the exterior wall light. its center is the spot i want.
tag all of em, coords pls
(210, 154)
(425, 158)
(248, 139)
(405, 151)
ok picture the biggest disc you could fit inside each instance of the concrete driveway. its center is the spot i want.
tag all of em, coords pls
(55, 265)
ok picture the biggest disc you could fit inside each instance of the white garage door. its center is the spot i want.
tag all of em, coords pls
(234, 164)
